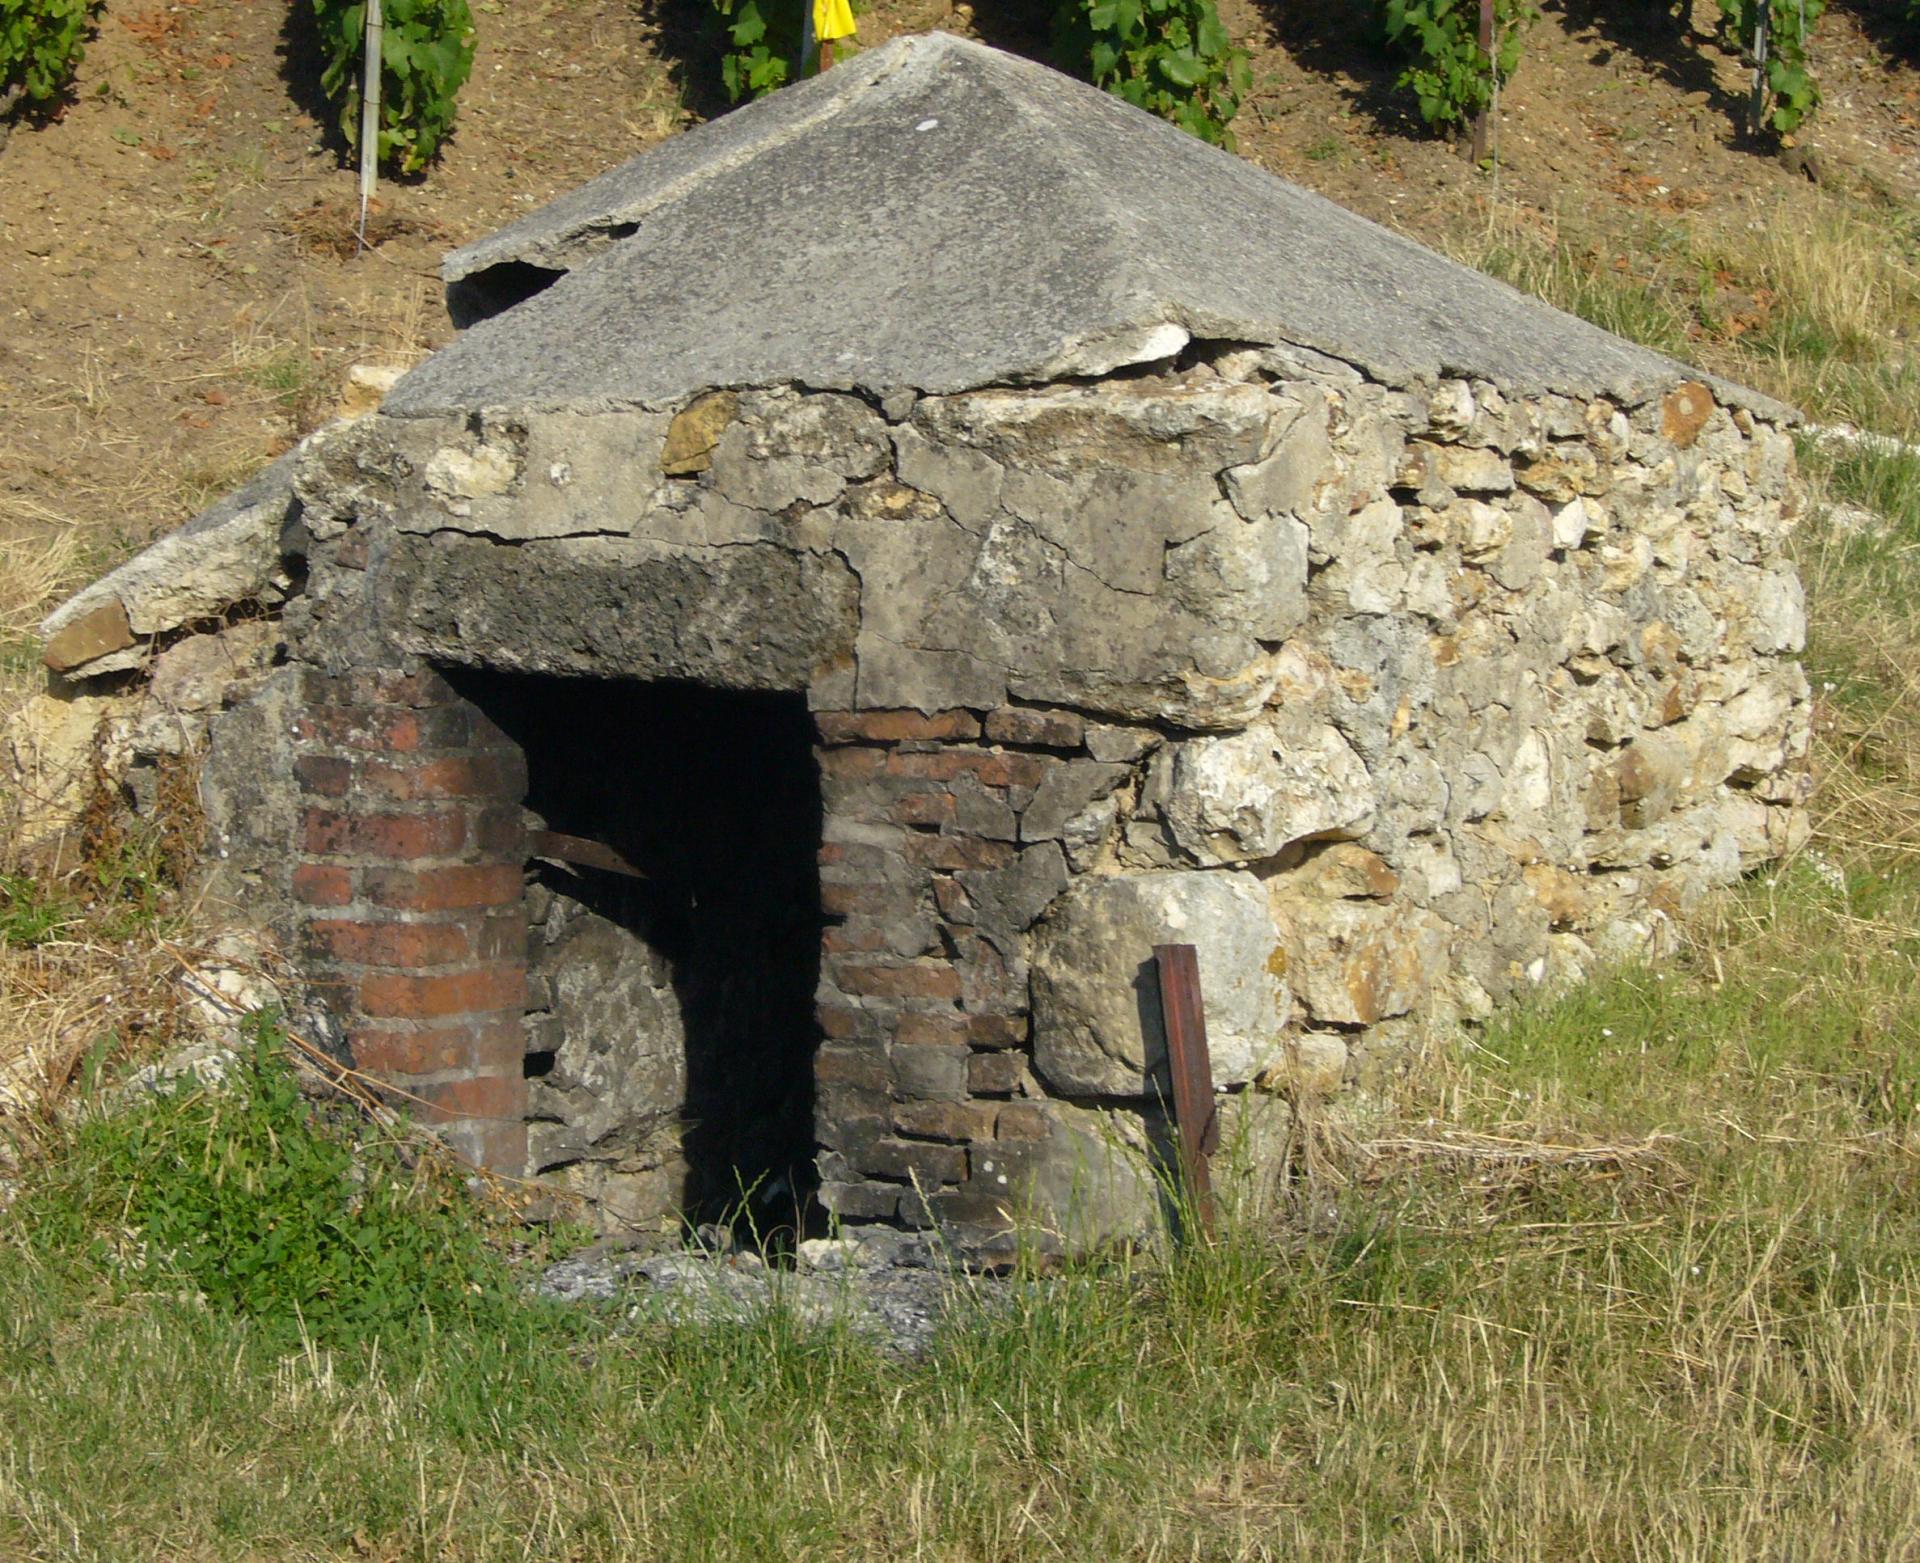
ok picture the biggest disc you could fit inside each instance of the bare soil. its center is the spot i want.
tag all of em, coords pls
(181, 293)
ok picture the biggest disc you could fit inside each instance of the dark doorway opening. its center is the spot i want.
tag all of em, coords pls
(670, 1054)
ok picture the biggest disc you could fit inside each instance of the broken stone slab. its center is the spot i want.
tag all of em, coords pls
(230, 553)
(1097, 1027)
(94, 635)
(896, 1290)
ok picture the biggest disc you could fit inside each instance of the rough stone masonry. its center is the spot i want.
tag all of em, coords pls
(950, 532)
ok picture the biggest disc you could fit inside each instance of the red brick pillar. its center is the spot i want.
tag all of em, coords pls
(408, 875)
(924, 1019)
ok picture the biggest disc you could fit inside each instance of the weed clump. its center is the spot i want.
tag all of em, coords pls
(258, 1203)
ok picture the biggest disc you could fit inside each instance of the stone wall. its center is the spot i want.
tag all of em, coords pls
(1396, 700)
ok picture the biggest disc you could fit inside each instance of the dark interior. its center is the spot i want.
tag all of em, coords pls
(713, 796)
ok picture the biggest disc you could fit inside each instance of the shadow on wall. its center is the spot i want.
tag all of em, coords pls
(714, 797)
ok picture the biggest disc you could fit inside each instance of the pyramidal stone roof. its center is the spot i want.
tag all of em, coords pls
(940, 216)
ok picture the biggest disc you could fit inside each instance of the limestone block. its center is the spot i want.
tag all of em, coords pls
(1450, 409)
(540, 475)
(1624, 565)
(1520, 562)
(1355, 962)
(1094, 1176)
(1578, 522)
(1170, 427)
(249, 795)
(48, 747)
(1286, 482)
(1116, 523)
(200, 672)
(1109, 743)
(619, 1067)
(965, 480)
(1096, 1014)
(1487, 530)
(1529, 779)
(457, 477)
(1367, 571)
(1252, 573)
(1472, 471)
(782, 449)
(1345, 870)
(1562, 473)
(1247, 797)
(1777, 616)
(1088, 832)
(1066, 790)
(1384, 676)
(1007, 900)
(1429, 588)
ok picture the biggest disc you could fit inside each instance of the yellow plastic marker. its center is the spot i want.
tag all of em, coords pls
(832, 19)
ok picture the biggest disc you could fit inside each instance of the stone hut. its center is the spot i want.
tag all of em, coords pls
(870, 568)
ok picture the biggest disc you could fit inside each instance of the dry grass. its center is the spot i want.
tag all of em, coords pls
(33, 571)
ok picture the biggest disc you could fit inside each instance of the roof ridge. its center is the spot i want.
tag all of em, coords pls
(879, 64)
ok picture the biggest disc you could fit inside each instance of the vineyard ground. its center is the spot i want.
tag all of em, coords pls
(1634, 1276)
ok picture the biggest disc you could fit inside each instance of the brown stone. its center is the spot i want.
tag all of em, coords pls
(1684, 412)
(861, 1067)
(1023, 1121)
(694, 432)
(903, 981)
(1562, 895)
(1348, 871)
(861, 1201)
(915, 1161)
(92, 635)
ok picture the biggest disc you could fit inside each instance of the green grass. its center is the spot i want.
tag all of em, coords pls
(1636, 1278)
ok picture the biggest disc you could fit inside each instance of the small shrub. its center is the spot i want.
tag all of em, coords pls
(426, 55)
(1787, 91)
(1170, 57)
(252, 1200)
(40, 45)
(1451, 76)
(761, 52)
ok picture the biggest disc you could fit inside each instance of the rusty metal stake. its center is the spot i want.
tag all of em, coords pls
(1191, 1066)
